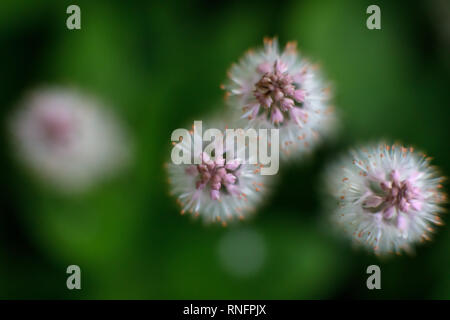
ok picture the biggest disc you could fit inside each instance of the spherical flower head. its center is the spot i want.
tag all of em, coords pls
(387, 197)
(216, 188)
(67, 139)
(277, 89)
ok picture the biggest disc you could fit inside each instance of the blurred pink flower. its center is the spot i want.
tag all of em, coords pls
(68, 139)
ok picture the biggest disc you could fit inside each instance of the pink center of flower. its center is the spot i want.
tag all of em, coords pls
(217, 174)
(57, 126)
(277, 93)
(401, 194)
(396, 194)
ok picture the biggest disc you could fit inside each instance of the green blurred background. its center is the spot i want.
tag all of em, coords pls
(159, 66)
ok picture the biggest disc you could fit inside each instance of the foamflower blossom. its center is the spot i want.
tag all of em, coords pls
(217, 189)
(388, 197)
(280, 89)
(67, 138)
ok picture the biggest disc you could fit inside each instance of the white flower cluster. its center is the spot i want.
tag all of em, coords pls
(385, 197)
(267, 89)
(281, 89)
(388, 196)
